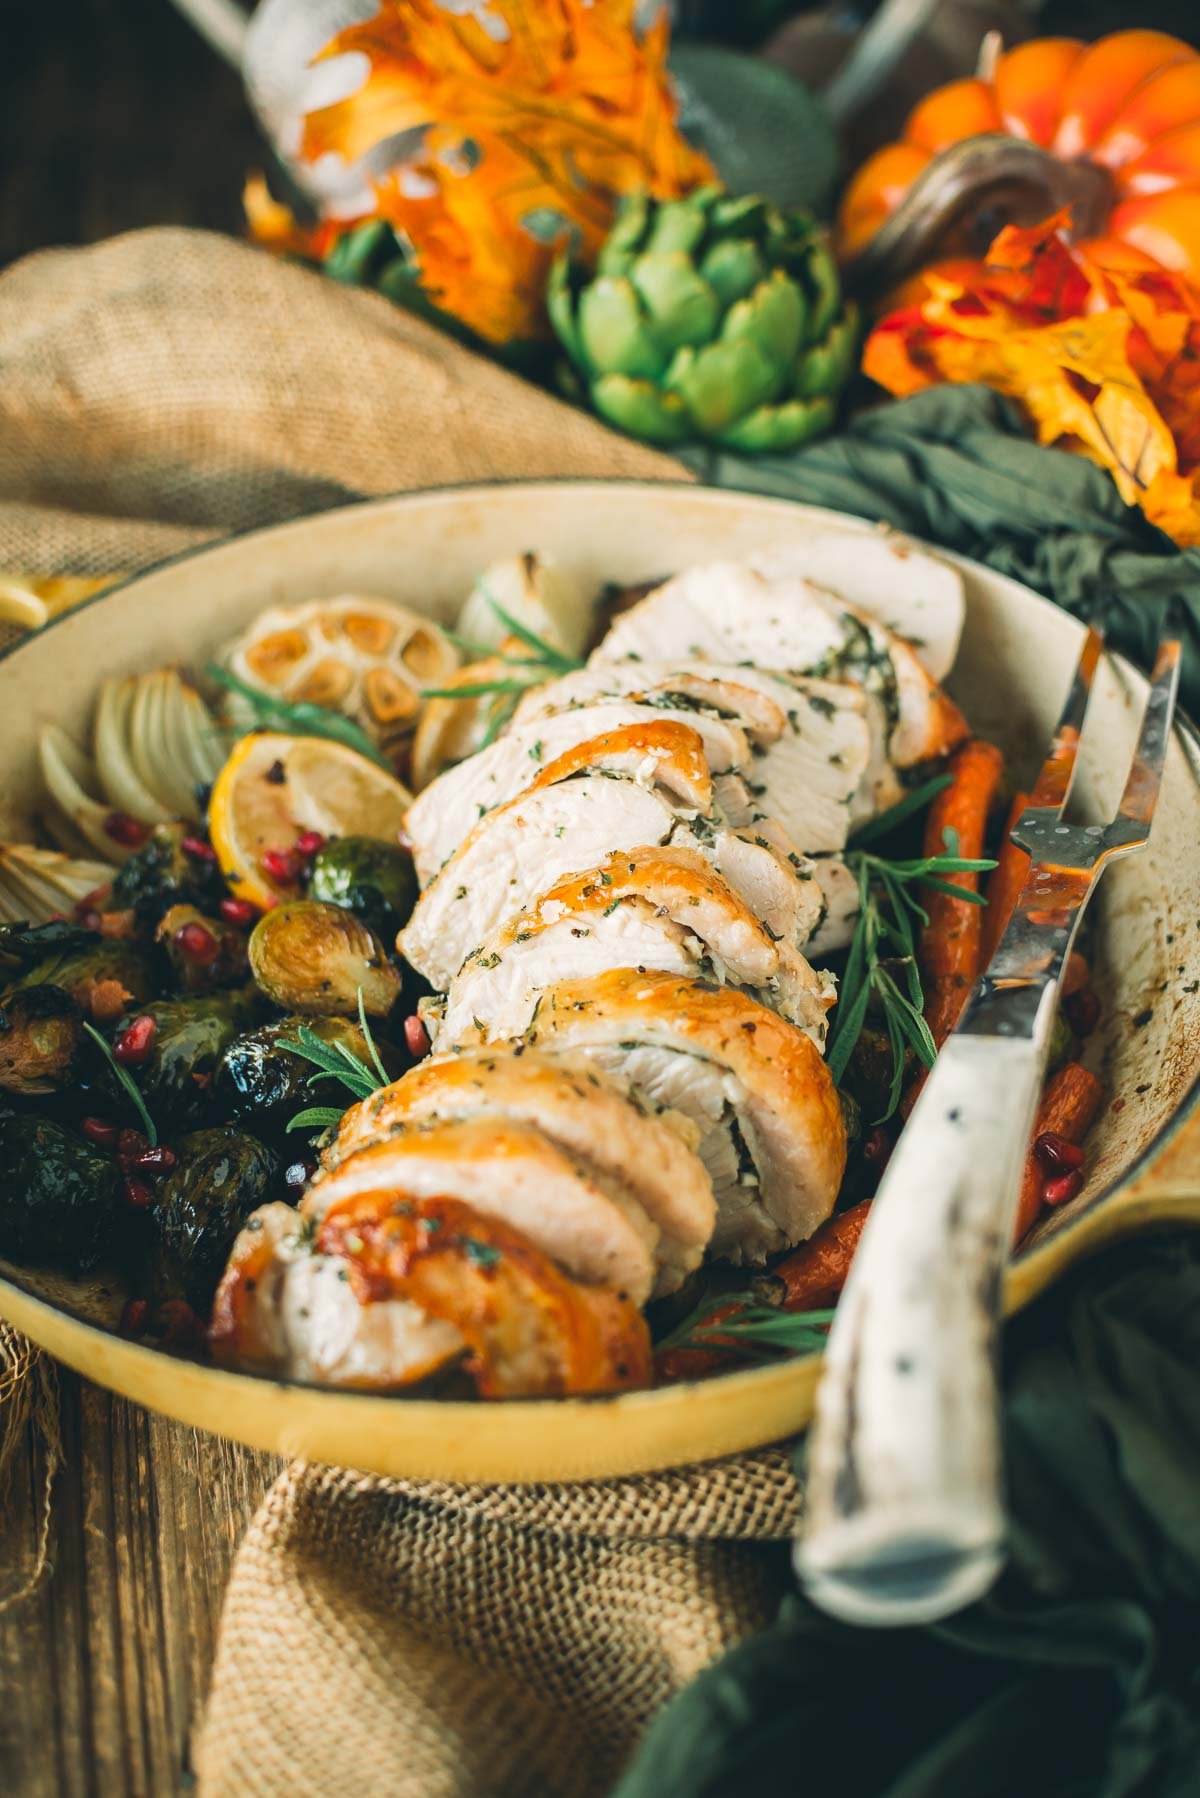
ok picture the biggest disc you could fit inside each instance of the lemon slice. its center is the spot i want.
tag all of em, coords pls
(275, 787)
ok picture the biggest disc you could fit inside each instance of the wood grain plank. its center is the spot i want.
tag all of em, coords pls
(105, 1666)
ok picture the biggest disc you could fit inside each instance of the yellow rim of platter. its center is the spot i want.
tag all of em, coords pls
(532, 1442)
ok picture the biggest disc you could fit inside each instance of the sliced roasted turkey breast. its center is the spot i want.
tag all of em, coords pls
(397, 1286)
(773, 1138)
(449, 808)
(727, 612)
(810, 774)
(914, 594)
(627, 790)
(288, 1310)
(592, 1116)
(651, 908)
(589, 1224)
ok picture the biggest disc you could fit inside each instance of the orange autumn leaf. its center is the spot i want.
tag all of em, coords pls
(536, 117)
(1105, 360)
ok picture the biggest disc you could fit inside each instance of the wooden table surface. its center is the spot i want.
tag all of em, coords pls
(113, 115)
(104, 1666)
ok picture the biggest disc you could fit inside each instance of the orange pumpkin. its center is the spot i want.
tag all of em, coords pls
(1118, 119)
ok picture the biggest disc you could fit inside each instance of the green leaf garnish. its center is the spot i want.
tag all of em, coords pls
(881, 967)
(299, 717)
(756, 1325)
(130, 1085)
(543, 662)
(334, 1061)
(317, 1117)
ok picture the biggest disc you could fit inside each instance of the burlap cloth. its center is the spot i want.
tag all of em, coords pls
(379, 1637)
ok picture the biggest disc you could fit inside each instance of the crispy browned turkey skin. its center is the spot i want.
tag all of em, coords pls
(523, 1328)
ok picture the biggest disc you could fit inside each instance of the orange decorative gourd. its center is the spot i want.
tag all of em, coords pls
(1111, 129)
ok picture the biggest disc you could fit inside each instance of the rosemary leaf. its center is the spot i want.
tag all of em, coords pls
(317, 1117)
(299, 718)
(130, 1085)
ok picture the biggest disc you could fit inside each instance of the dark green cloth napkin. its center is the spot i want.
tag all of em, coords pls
(1079, 1676)
(956, 465)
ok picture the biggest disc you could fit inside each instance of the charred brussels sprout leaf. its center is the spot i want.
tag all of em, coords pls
(372, 879)
(204, 953)
(265, 1083)
(39, 1035)
(315, 958)
(23, 946)
(223, 1175)
(190, 1037)
(102, 974)
(60, 1202)
(162, 874)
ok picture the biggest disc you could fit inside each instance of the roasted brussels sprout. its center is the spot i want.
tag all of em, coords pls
(176, 1073)
(164, 873)
(222, 1176)
(204, 953)
(102, 974)
(60, 1201)
(315, 959)
(373, 879)
(266, 1084)
(40, 1027)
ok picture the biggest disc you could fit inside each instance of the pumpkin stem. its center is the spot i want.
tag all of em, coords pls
(990, 52)
(977, 186)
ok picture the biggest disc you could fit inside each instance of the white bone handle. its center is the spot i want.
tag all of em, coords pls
(904, 1519)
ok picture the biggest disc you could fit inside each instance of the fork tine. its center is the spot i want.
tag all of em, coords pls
(1145, 775)
(1053, 784)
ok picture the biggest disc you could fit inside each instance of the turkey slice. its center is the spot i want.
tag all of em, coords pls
(772, 1138)
(652, 908)
(728, 612)
(589, 1224)
(591, 1116)
(449, 808)
(912, 593)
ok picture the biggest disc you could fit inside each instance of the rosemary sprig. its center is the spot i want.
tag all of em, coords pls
(126, 1080)
(543, 662)
(759, 1326)
(882, 962)
(299, 718)
(334, 1061)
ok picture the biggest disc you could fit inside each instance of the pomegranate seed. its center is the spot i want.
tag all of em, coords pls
(877, 1148)
(281, 866)
(100, 1132)
(135, 1041)
(91, 920)
(1056, 1153)
(198, 849)
(297, 1174)
(131, 1145)
(179, 1324)
(1082, 1011)
(157, 1160)
(1062, 1188)
(239, 912)
(137, 1194)
(309, 843)
(131, 833)
(416, 1036)
(134, 1318)
(197, 942)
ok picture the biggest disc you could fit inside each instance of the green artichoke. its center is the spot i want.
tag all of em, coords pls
(708, 319)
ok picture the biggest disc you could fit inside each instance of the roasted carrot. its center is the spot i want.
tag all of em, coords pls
(950, 942)
(813, 1275)
(1069, 1107)
(691, 1361)
(1004, 884)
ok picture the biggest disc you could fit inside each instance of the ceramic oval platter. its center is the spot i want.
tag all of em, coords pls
(425, 550)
